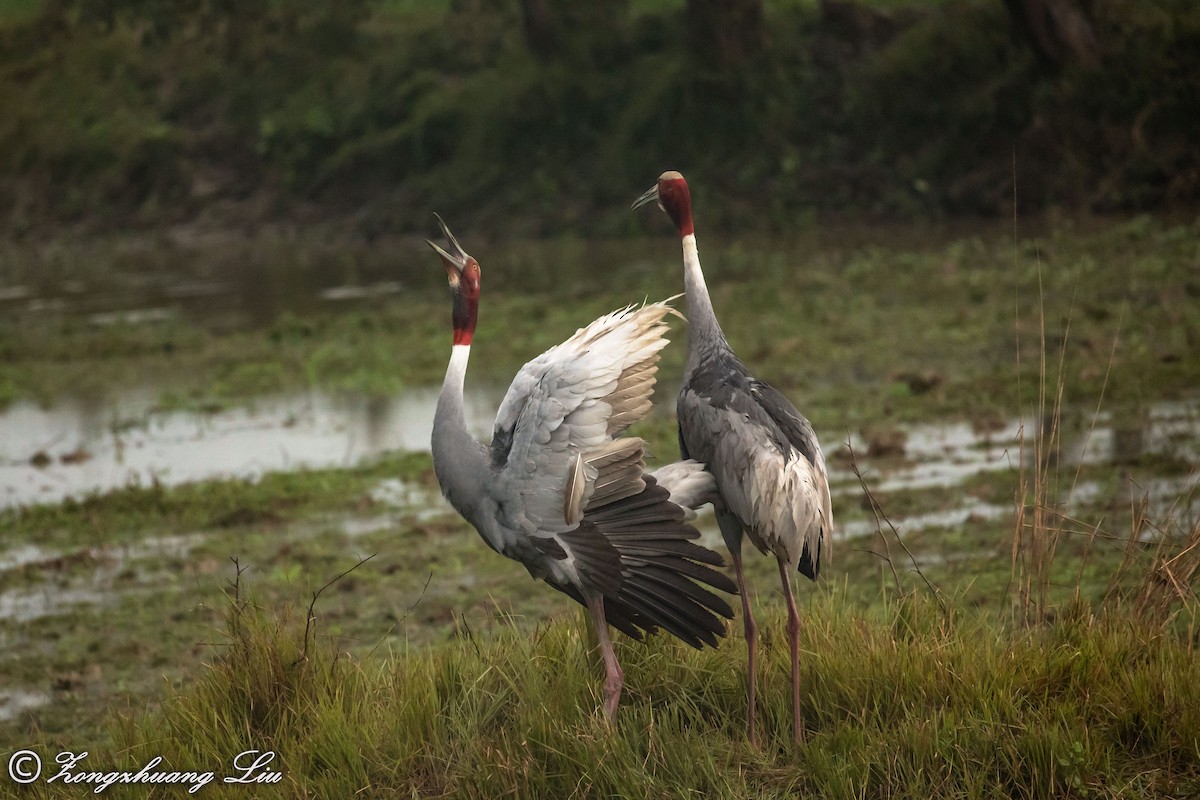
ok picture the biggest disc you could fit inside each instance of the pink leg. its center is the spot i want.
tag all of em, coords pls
(614, 678)
(751, 630)
(793, 629)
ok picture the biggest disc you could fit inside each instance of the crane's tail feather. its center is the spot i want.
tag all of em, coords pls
(702, 601)
(688, 625)
(690, 483)
(809, 566)
(640, 555)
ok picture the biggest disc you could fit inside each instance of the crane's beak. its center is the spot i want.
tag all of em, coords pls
(651, 196)
(455, 258)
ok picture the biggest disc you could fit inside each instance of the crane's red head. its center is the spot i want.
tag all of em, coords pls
(463, 273)
(671, 193)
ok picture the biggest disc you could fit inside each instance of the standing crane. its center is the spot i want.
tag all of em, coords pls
(562, 491)
(764, 454)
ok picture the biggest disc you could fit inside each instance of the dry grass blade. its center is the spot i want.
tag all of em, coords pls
(1168, 584)
(881, 519)
(311, 617)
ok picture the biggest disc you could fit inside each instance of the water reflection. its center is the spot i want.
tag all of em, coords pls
(98, 443)
(1164, 437)
(950, 454)
(228, 278)
(89, 444)
(101, 569)
(17, 701)
(947, 454)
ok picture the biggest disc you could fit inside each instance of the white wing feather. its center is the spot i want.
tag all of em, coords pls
(565, 409)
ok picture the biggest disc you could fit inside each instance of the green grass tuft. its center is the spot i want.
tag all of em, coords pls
(904, 701)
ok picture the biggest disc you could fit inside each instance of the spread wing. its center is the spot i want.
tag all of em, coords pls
(556, 442)
(583, 514)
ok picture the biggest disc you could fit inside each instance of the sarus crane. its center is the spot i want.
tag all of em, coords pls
(562, 491)
(764, 454)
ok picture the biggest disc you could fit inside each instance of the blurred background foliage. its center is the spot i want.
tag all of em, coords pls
(539, 117)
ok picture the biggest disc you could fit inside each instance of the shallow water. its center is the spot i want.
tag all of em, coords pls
(97, 587)
(16, 701)
(950, 518)
(93, 576)
(83, 445)
(79, 446)
(947, 455)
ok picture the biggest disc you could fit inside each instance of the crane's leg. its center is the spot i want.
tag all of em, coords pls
(614, 678)
(731, 532)
(793, 629)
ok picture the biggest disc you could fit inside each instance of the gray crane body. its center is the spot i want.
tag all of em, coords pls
(763, 453)
(765, 456)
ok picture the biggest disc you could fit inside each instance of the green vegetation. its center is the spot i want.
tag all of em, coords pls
(904, 702)
(152, 112)
(819, 314)
(16, 9)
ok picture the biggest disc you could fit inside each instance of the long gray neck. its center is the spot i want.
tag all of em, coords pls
(459, 460)
(704, 332)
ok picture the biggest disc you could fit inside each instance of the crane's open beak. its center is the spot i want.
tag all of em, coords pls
(651, 196)
(455, 258)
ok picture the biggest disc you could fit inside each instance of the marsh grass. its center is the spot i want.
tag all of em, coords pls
(902, 701)
(1155, 580)
(952, 295)
(1037, 529)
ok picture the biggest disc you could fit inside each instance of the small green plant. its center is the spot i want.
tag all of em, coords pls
(1073, 764)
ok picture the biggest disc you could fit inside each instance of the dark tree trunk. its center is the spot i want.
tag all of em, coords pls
(541, 29)
(725, 33)
(1057, 30)
(559, 30)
